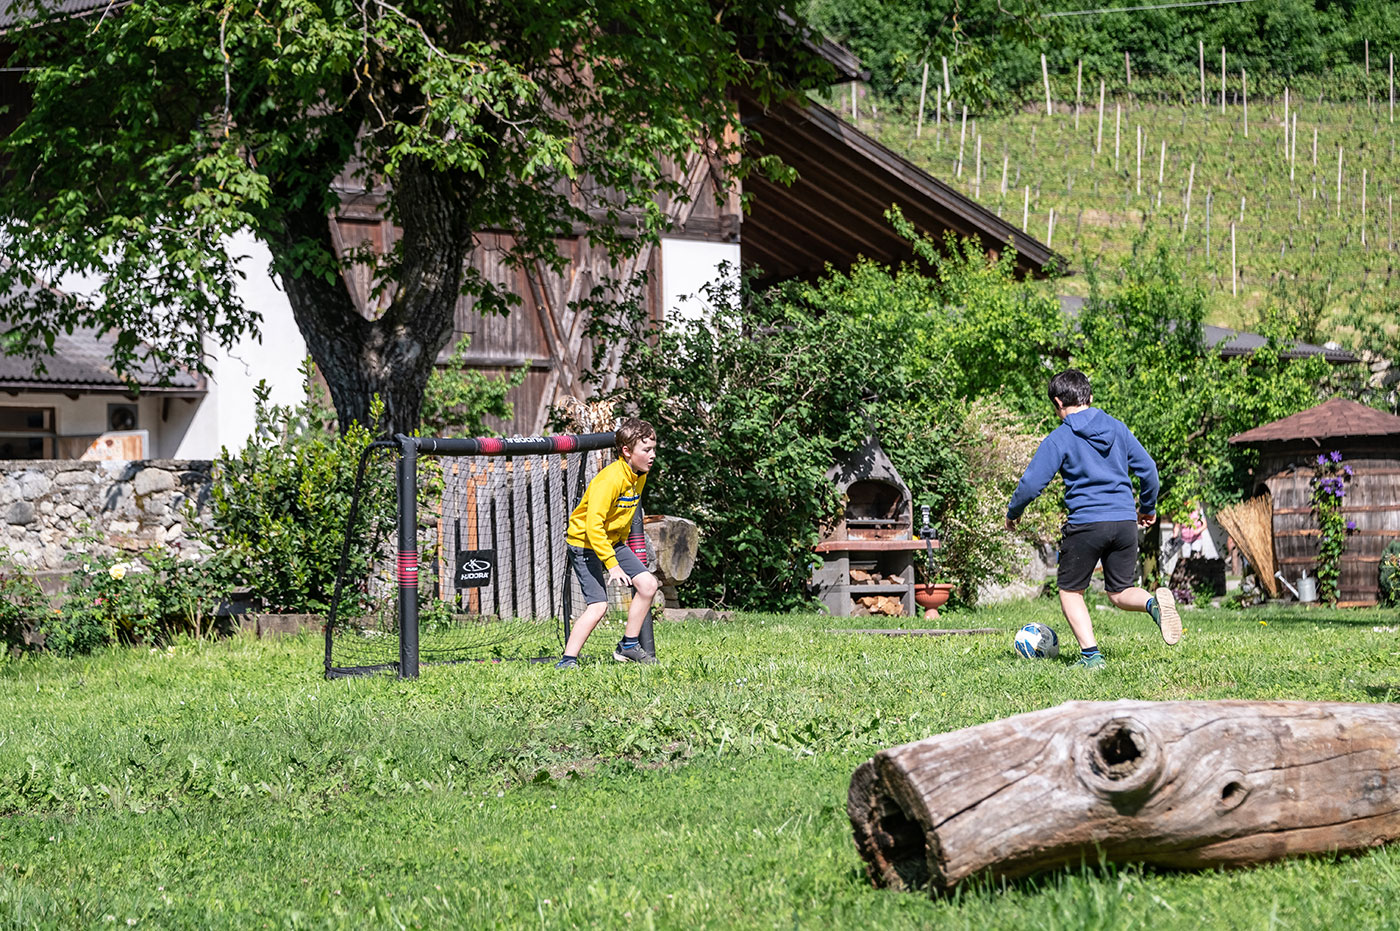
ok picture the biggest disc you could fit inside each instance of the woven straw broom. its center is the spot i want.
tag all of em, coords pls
(1251, 525)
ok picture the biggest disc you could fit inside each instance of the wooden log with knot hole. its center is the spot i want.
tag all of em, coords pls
(673, 543)
(1188, 784)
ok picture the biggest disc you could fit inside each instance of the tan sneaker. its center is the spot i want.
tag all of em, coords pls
(1164, 612)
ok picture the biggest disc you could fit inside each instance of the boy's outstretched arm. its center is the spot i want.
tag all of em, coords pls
(1145, 469)
(1044, 464)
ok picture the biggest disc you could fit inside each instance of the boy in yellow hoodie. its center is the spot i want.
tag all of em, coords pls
(598, 528)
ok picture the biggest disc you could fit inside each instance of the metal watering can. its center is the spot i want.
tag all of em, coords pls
(1307, 586)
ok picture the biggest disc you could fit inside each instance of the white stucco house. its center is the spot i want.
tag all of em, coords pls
(78, 408)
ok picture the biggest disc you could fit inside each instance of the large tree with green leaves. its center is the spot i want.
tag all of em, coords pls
(159, 129)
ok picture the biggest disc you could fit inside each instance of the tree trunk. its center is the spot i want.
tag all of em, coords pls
(1176, 784)
(392, 356)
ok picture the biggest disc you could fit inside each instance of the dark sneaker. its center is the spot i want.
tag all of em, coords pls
(1091, 662)
(1164, 612)
(567, 662)
(633, 655)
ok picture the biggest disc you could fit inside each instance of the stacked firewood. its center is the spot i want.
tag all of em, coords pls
(889, 605)
(861, 577)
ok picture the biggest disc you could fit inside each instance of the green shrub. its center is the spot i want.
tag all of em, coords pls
(23, 605)
(755, 403)
(146, 598)
(1390, 574)
(278, 508)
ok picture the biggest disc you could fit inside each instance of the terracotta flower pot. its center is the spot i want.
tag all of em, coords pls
(932, 597)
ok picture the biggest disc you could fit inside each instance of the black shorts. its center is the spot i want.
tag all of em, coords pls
(1083, 546)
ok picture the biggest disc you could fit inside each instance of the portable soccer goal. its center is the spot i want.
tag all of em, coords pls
(477, 569)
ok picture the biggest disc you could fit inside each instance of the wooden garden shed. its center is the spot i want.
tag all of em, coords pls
(1369, 442)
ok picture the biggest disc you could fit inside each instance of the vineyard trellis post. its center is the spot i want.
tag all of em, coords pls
(1202, 45)
(1098, 140)
(923, 90)
(1045, 76)
(1244, 89)
(962, 139)
(1078, 92)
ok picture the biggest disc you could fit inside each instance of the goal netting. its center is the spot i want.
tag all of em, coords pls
(475, 566)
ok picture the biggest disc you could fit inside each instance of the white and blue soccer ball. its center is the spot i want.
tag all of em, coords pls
(1037, 641)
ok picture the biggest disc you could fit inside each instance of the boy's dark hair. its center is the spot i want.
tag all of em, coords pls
(631, 432)
(1071, 388)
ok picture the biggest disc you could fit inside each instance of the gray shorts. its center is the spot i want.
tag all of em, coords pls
(592, 577)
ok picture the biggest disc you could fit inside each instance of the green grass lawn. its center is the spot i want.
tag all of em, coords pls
(227, 784)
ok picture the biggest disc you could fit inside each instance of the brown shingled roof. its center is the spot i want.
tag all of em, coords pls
(1329, 420)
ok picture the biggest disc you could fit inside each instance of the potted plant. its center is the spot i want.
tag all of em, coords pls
(929, 594)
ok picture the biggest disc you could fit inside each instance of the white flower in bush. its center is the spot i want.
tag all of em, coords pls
(118, 570)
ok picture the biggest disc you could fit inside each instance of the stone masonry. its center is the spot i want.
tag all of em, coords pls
(49, 507)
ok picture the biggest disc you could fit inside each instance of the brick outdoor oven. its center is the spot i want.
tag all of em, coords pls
(868, 554)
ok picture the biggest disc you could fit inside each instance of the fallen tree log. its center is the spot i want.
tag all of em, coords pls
(1177, 784)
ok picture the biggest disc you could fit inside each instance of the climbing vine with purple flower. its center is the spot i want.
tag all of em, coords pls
(1329, 489)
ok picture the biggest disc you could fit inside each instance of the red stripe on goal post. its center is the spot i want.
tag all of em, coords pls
(408, 569)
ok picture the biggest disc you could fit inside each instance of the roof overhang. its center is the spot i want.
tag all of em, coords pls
(1337, 419)
(835, 210)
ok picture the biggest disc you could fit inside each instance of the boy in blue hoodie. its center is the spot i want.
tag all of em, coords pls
(1098, 457)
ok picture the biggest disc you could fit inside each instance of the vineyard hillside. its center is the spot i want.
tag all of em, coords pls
(1285, 204)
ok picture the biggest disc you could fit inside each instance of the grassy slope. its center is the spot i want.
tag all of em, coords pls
(228, 785)
(1290, 226)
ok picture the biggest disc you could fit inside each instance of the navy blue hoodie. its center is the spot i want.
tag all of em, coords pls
(1098, 456)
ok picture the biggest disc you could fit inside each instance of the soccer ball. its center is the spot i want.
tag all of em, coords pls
(1037, 641)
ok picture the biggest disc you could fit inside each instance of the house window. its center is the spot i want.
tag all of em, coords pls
(26, 433)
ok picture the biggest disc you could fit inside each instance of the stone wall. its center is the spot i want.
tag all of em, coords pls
(48, 507)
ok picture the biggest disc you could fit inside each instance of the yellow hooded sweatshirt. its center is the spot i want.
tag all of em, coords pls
(604, 516)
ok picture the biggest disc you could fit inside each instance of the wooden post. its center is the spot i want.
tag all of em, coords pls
(1128, 71)
(1139, 160)
(1210, 195)
(1392, 87)
(1180, 784)
(1285, 123)
(1117, 125)
(1244, 89)
(1162, 164)
(1078, 91)
(1222, 80)
(1234, 275)
(1203, 73)
(1050, 232)
(923, 89)
(962, 138)
(1363, 207)
(1005, 163)
(1026, 208)
(1293, 147)
(1241, 209)
(1389, 222)
(1314, 164)
(1045, 75)
(1186, 215)
(977, 170)
(855, 118)
(1098, 140)
(947, 87)
(1339, 181)
(938, 120)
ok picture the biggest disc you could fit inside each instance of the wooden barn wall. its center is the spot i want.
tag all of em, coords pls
(544, 329)
(1372, 501)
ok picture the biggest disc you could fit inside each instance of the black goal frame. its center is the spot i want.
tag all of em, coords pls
(410, 449)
